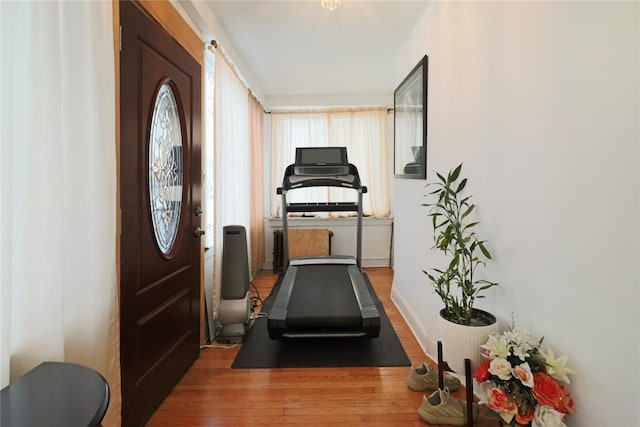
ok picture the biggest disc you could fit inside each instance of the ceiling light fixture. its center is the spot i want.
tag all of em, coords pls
(331, 4)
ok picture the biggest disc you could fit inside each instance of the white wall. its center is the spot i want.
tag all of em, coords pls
(203, 22)
(540, 100)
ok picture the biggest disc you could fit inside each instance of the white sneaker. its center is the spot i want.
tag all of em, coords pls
(425, 377)
(441, 408)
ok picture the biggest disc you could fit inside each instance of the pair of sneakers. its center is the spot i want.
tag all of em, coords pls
(439, 407)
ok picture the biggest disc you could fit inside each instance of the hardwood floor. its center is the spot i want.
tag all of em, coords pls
(213, 394)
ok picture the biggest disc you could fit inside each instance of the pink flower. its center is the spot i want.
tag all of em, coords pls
(523, 373)
(500, 402)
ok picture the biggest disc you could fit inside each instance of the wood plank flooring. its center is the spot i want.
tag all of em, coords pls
(213, 394)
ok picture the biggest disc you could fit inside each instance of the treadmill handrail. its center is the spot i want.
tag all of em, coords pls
(291, 180)
(279, 190)
(352, 180)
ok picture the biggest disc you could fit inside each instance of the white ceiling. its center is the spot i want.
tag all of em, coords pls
(298, 49)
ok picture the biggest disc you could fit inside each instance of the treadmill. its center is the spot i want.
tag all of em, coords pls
(323, 296)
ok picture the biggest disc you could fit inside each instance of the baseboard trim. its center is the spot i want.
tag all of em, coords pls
(428, 345)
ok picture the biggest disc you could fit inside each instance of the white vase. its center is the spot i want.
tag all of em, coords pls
(461, 342)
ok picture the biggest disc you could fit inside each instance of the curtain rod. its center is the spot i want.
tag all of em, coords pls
(214, 47)
(327, 110)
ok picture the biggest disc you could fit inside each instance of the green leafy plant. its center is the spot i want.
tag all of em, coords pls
(457, 284)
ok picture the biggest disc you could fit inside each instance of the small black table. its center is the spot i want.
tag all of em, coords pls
(55, 394)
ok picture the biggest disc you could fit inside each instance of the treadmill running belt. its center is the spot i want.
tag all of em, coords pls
(323, 297)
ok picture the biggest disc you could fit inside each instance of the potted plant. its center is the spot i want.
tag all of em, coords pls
(462, 326)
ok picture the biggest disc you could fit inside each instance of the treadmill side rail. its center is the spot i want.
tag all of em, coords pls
(277, 319)
(368, 309)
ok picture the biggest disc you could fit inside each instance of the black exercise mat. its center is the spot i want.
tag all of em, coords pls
(260, 351)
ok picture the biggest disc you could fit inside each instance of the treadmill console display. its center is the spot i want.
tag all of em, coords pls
(321, 161)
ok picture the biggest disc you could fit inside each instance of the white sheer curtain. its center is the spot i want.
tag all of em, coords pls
(58, 189)
(256, 154)
(289, 131)
(232, 201)
(363, 132)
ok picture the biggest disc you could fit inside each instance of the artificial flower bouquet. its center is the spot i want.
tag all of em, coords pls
(520, 382)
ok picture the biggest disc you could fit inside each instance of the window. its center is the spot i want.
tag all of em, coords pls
(363, 132)
(165, 169)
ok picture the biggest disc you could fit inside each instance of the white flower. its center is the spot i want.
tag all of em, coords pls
(496, 346)
(481, 391)
(523, 373)
(521, 351)
(521, 342)
(556, 367)
(501, 368)
(546, 416)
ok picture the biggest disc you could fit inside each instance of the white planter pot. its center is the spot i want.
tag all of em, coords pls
(461, 342)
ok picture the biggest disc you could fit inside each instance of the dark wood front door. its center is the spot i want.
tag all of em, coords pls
(160, 169)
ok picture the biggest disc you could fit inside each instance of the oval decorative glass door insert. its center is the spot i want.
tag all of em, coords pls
(165, 169)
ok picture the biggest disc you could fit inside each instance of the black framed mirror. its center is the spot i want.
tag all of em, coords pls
(410, 123)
